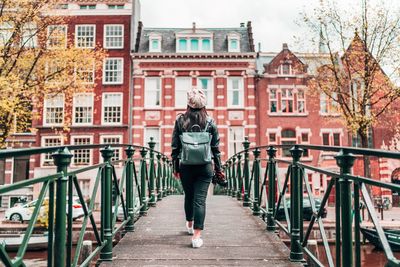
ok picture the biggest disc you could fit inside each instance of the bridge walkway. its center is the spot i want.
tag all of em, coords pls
(232, 237)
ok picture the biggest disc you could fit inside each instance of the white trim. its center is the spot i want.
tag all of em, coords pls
(94, 35)
(237, 142)
(102, 108)
(122, 70)
(105, 36)
(146, 106)
(120, 136)
(45, 112)
(240, 90)
(155, 37)
(42, 142)
(145, 142)
(74, 106)
(65, 26)
(90, 137)
(211, 89)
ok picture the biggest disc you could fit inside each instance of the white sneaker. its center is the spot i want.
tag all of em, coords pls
(196, 243)
(189, 229)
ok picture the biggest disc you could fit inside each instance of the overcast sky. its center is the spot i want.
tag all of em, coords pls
(273, 20)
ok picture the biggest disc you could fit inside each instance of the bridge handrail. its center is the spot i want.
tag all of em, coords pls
(244, 184)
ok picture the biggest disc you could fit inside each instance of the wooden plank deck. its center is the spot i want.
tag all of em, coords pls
(232, 237)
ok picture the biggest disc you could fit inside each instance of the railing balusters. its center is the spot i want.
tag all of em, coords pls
(345, 161)
(228, 177)
(239, 178)
(271, 188)
(164, 176)
(246, 173)
(62, 159)
(296, 197)
(256, 206)
(106, 202)
(159, 178)
(130, 227)
(234, 176)
(152, 200)
(143, 182)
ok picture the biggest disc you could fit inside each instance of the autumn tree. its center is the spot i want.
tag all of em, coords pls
(37, 60)
(361, 39)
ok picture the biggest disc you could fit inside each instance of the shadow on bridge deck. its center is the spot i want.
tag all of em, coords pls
(232, 237)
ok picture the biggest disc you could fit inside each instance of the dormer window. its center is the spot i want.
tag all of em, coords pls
(87, 7)
(194, 41)
(285, 69)
(233, 42)
(155, 43)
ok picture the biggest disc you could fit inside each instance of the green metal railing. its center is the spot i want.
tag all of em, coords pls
(347, 241)
(135, 191)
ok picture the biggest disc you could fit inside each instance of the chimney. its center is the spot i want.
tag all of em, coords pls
(259, 47)
(285, 46)
(194, 27)
(242, 24)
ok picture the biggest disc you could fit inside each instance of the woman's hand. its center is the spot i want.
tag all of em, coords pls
(177, 175)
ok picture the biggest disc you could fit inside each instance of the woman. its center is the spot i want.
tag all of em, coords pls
(196, 178)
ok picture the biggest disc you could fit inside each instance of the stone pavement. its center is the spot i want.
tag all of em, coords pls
(232, 237)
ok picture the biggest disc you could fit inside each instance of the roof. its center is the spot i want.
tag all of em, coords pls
(220, 43)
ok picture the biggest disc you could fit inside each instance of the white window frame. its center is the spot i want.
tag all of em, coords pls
(87, 70)
(29, 35)
(287, 99)
(77, 37)
(210, 90)
(119, 149)
(155, 37)
(65, 29)
(300, 132)
(43, 155)
(270, 100)
(113, 36)
(182, 91)
(231, 90)
(280, 70)
(146, 138)
(289, 139)
(74, 106)
(73, 142)
(45, 106)
(189, 49)
(298, 100)
(331, 132)
(331, 105)
(275, 131)
(239, 142)
(103, 107)
(121, 59)
(146, 104)
(233, 37)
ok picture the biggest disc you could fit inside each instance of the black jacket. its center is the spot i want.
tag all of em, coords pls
(177, 145)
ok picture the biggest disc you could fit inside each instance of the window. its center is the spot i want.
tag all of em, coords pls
(305, 140)
(112, 108)
(194, 44)
(328, 105)
(85, 36)
(288, 138)
(29, 36)
(154, 42)
(182, 44)
(153, 92)
(87, 7)
(272, 138)
(113, 71)
(61, 6)
(54, 110)
(336, 139)
(325, 139)
(235, 92)
(233, 42)
(207, 85)
(47, 159)
(85, 73)
(182, 85)
(155, 133)
(6, 30)
(116, 6)
(331, 137)
(285, 69)
(21, 169)
(301, 101)
(83, 109)
(236, 138)
(2, 171)
(206, 44)
(81, 156)
(113, 36)
(113, 140)
(287, 100)
(273, 101)
(57, 36)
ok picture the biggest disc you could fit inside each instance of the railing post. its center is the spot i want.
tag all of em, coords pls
(239, 178)
(271, 151)
(296, 199)
(62, 159)
(246, 173)
(129, 189)
(345, 161)
(164, 177)
(256, 205)
(229, 177)
(159, 178)
(152, 201)
(106, 204)
(170, 179)
(143, 187)
(233, 172)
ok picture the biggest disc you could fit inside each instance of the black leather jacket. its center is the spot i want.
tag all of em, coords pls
(177, 145)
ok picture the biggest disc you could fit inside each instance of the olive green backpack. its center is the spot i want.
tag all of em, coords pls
(196, 146)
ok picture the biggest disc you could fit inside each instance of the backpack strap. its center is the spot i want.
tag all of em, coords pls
(207, 124)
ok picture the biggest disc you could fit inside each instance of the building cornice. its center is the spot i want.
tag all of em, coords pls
(193, 56)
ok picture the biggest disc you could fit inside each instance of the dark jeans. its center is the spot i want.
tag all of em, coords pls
(195, 181)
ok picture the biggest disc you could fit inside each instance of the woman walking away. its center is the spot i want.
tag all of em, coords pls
(195, 142)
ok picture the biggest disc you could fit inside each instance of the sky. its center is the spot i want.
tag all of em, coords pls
(273, 21)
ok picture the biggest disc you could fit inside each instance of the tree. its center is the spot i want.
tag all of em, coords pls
(37, 61)
(360, 41)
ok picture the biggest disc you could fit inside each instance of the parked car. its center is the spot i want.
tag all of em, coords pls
(307, 211)
(24, 212)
